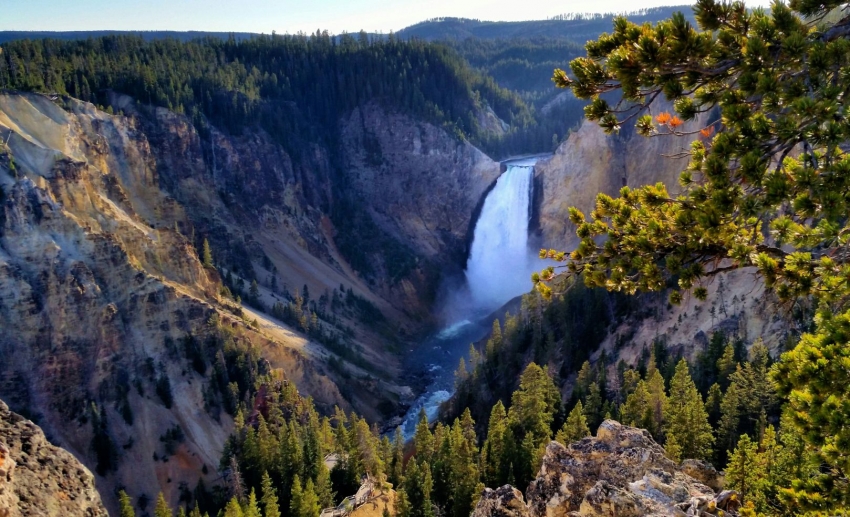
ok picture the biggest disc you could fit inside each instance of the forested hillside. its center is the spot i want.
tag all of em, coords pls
(576, 27)
(294, 87)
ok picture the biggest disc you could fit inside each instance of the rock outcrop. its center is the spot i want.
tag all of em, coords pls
(621, 472)
(505, 501)
(38, 479)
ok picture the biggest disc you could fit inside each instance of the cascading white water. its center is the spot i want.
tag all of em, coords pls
(498, 268)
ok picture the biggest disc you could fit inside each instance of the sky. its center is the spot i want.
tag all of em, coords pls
(286, 16)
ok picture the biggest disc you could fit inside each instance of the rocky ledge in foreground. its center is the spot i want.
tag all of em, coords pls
(621, 472)
(40, 479)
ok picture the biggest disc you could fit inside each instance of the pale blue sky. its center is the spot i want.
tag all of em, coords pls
(285, 15)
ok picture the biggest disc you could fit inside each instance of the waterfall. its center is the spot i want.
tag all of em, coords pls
(499, 266)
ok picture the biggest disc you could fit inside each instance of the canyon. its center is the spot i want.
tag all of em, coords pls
(103, 288)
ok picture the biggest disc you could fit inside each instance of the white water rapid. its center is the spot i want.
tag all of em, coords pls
(499, 265)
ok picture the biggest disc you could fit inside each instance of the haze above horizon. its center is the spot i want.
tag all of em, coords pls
(287, 16)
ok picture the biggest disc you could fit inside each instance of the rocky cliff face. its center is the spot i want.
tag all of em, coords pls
(100, 281)
(621, 472)
(420, 185)
(590, 162)
(38, 479)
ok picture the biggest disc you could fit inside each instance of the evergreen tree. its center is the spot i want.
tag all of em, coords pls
(465, 474)
(162, 509)
(269, 499)
(575, 427)
(645, 407)
(417, 488)
(251, 508)
(745, 472)
(594, 410)
(685, 419)
(713, 402)
(534, 404)
(125, 506)
(423, 439)
(309, 501)
(324, 488)
(402, 504)
(233, 509)
(396, 468)
(533, 408)
(206, 256)
(726, 366)
(494, 452)
(494, 343)
(296, 497)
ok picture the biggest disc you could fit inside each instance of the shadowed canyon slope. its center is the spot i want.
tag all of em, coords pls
(105, 303)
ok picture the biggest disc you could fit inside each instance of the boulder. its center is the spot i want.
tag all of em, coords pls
(505, 501)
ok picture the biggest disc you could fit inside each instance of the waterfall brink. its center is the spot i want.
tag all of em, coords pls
(499, 265)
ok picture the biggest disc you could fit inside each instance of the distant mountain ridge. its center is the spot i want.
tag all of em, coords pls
(561, 27)
(146, 35)
(571, 26)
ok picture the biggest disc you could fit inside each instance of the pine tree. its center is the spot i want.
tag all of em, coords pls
(586, 375)
(422, 438)
(657, 402)
(493, 452)
(233, 509)
(309, 501)
(645, 407)
(295, 499)
(461, 374)
(712, 404)
(251, 508)
(206, 256)
(575, 427)
(402, 504)
(494, 344)
(465, 473)
(417, 489)
(534, 404)
(162, 509)
(685, 419)
(269, 499)
(594, 410)
(396, 470)
(324, 487)
(726, 366)
(745, 473)
(125, 505)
